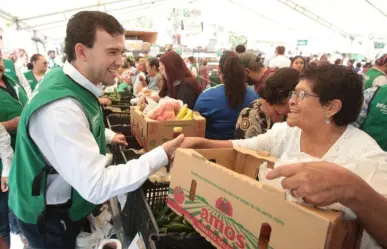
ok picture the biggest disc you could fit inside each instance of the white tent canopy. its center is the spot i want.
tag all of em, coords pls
(263, 19)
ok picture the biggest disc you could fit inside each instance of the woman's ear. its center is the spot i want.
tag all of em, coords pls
(332, 107)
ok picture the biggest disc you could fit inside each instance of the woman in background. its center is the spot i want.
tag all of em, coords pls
(37, 68)
(222, 104)
(203, 73)
(178, 82)
(298, 63)
(272, 107)
(154, 78)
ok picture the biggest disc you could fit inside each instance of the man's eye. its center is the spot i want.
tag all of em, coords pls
(113, 52)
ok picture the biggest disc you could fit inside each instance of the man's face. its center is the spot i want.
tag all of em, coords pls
(104, 58)
(52, 55)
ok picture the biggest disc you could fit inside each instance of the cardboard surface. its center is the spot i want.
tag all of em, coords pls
(227, 205)
(151, 133)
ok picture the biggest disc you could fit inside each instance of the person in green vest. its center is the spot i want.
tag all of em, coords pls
(60, 150)
(377, 75)
(193, 67)
(51, 59)
(373, 115)
(37, 68)
(12, 100)
(15, 73)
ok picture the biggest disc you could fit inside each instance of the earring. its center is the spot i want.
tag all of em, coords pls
(327, 120)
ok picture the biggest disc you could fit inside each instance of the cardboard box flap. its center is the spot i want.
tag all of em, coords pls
(231, 210)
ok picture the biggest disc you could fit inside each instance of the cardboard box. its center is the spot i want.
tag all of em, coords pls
(151, 133)
(216, 190)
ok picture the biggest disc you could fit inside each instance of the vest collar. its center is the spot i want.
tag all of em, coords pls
(73, 73)
(377, 69)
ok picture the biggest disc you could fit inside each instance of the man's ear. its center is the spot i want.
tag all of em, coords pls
(247, 71)
(80, 52)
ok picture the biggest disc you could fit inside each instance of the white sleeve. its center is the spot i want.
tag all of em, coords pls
(267, 142)
(109, 134)
(61, 132)
(6, 152)
(23, 81)
(380, 81)
(272, 63)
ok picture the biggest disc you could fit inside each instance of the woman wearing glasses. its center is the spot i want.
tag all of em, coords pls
(37, 68)
(328, 150)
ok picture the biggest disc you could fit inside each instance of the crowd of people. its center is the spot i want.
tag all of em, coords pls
(324, 122)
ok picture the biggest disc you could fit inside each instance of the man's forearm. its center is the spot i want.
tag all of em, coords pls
(370, 207)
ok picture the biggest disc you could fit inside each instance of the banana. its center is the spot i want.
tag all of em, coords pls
(182, 112)
(189, 115)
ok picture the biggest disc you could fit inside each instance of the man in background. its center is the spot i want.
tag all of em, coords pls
(280, 60)
(240, 49)
(51, 59)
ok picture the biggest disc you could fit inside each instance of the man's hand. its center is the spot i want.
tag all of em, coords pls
(12, 124)
(104, 101)
(318, 183)
(119, 139)
(170, 147)
(4, 184)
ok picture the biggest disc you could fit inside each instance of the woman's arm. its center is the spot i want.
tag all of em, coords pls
(12, 124)
(202, 143)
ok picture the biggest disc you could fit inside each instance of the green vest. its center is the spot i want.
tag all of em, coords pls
(375, 124)
(10, 69)
(28, 175)
(370, 76)
(11, 107)
(31, 79)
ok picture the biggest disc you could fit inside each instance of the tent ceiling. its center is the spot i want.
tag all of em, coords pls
(346, 18)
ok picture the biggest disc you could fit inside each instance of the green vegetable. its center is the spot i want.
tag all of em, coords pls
(163, 230)
(178, 227)
(163, 221)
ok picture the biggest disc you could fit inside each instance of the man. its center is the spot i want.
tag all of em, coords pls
(280, 60)
(240, 49)
(377, 75)
(373, 115)
(255, 72)
(60, 154)
(324, 183)
(51, 59)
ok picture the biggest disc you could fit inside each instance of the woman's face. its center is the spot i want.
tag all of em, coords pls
(298, 64)
(306, 111)
(162, 70)
(41, 65)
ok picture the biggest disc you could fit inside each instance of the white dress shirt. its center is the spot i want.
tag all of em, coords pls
(6, 152)
(280, 62)
(61, 131)
(354, 150)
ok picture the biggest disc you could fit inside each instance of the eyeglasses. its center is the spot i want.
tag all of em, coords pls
(300, 95)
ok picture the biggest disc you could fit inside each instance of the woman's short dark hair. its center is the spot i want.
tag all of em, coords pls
(82, 28)
(332, 82)
(154, 62)
(33, 58)
(279, 85)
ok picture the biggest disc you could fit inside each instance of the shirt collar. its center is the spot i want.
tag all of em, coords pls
(73, 73)
(379, 70)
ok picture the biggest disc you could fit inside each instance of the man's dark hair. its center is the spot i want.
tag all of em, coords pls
(82, 28)
(358, 65)
(281, 50)
(50, 52)
(240, 48)
(332, 82)
(279, 85)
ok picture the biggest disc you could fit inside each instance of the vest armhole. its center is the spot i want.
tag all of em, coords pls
(368, 108)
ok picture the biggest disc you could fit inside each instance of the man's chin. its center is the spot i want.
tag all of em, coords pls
(108, 83)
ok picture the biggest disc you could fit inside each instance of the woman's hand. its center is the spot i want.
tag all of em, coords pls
(189, 142)
(318, 183)
(104, 101)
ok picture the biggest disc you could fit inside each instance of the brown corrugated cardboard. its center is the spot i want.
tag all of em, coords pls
(217, 191)
(151, 133)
